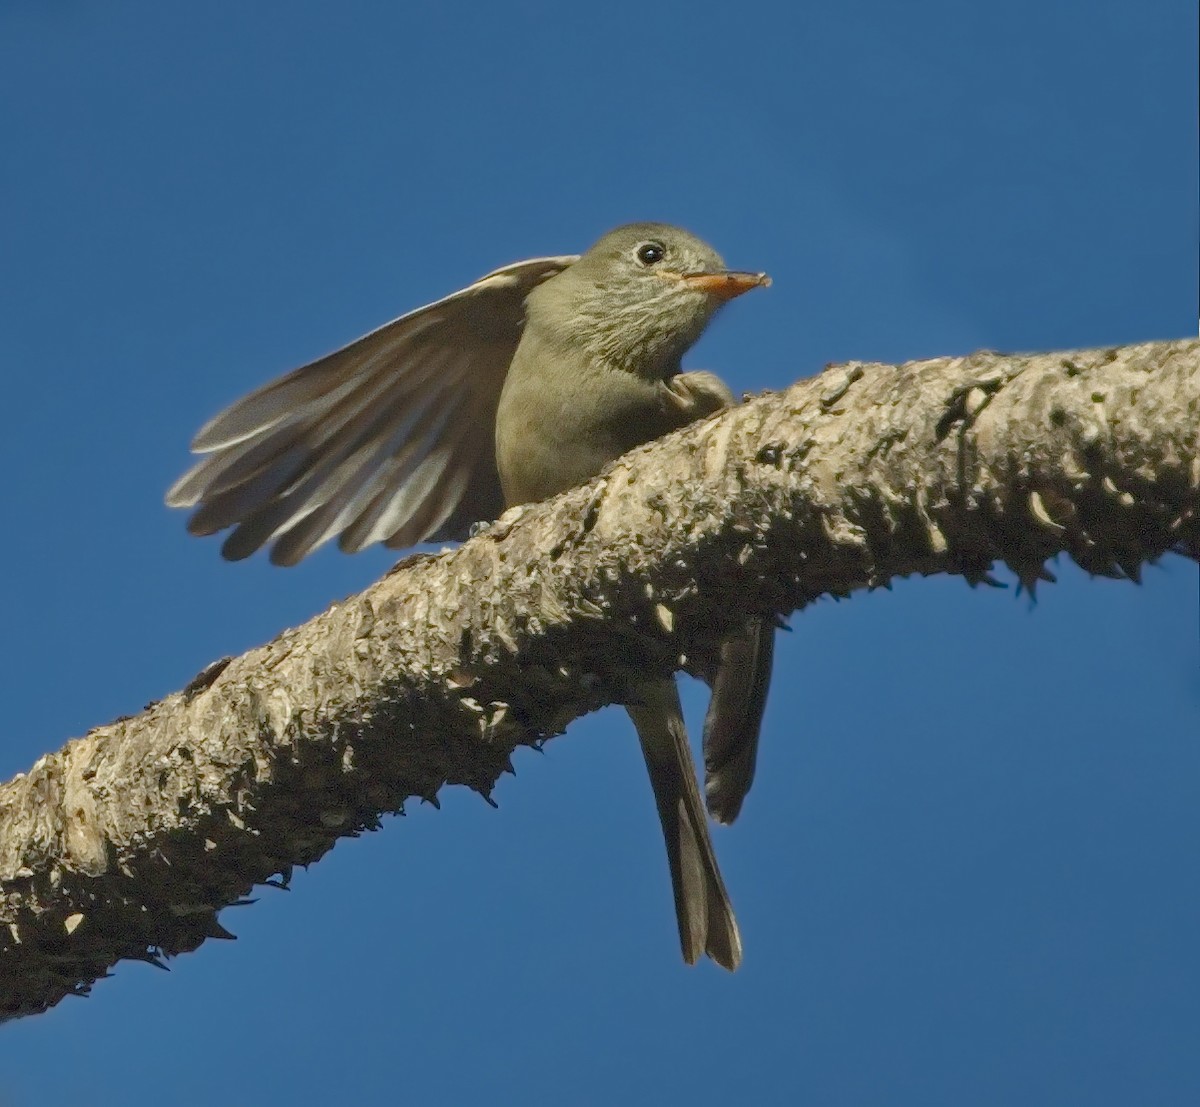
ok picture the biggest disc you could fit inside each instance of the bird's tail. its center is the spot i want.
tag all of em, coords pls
(702, 907)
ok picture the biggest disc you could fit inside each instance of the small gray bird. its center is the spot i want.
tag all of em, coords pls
(523, 384)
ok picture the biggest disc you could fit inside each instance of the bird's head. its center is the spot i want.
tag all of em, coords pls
(640, 297)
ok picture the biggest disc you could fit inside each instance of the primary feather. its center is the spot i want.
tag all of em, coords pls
(385, 440)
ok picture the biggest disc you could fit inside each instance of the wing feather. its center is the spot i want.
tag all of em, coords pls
(390, 438)
(345, 462)
(387, 463)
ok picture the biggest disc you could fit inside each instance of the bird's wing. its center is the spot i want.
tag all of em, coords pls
(389, 439)
(735, 712)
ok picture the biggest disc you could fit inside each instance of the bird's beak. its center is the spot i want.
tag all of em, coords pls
(724, 285)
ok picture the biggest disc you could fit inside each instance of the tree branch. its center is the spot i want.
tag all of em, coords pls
(128, 841)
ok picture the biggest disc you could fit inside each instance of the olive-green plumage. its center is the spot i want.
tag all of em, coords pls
(522, 385)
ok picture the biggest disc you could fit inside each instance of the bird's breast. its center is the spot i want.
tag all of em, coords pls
(563, 417)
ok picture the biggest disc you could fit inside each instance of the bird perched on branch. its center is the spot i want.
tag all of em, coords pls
(523, 384)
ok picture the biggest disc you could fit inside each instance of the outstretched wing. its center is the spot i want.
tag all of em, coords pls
(390, 439)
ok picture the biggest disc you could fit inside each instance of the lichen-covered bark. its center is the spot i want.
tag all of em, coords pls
(128, 841)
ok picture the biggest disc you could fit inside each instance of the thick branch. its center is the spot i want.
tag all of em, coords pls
(128, 841)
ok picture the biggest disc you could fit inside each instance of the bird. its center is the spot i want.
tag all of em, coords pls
(523, 384)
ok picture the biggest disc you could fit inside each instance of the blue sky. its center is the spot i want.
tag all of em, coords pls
(967, 871)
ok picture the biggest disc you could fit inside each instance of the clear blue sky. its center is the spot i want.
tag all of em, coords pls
(967, 873)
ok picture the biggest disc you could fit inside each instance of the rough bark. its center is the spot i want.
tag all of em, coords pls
(127, 841)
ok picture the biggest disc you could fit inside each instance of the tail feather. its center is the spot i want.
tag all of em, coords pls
(702, 907)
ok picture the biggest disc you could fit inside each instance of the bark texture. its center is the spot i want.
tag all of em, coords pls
(128, 841)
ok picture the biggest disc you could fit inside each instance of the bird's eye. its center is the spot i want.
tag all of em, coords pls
(651, 253)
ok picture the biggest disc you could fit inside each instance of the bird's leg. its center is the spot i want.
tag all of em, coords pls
(691, 396)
